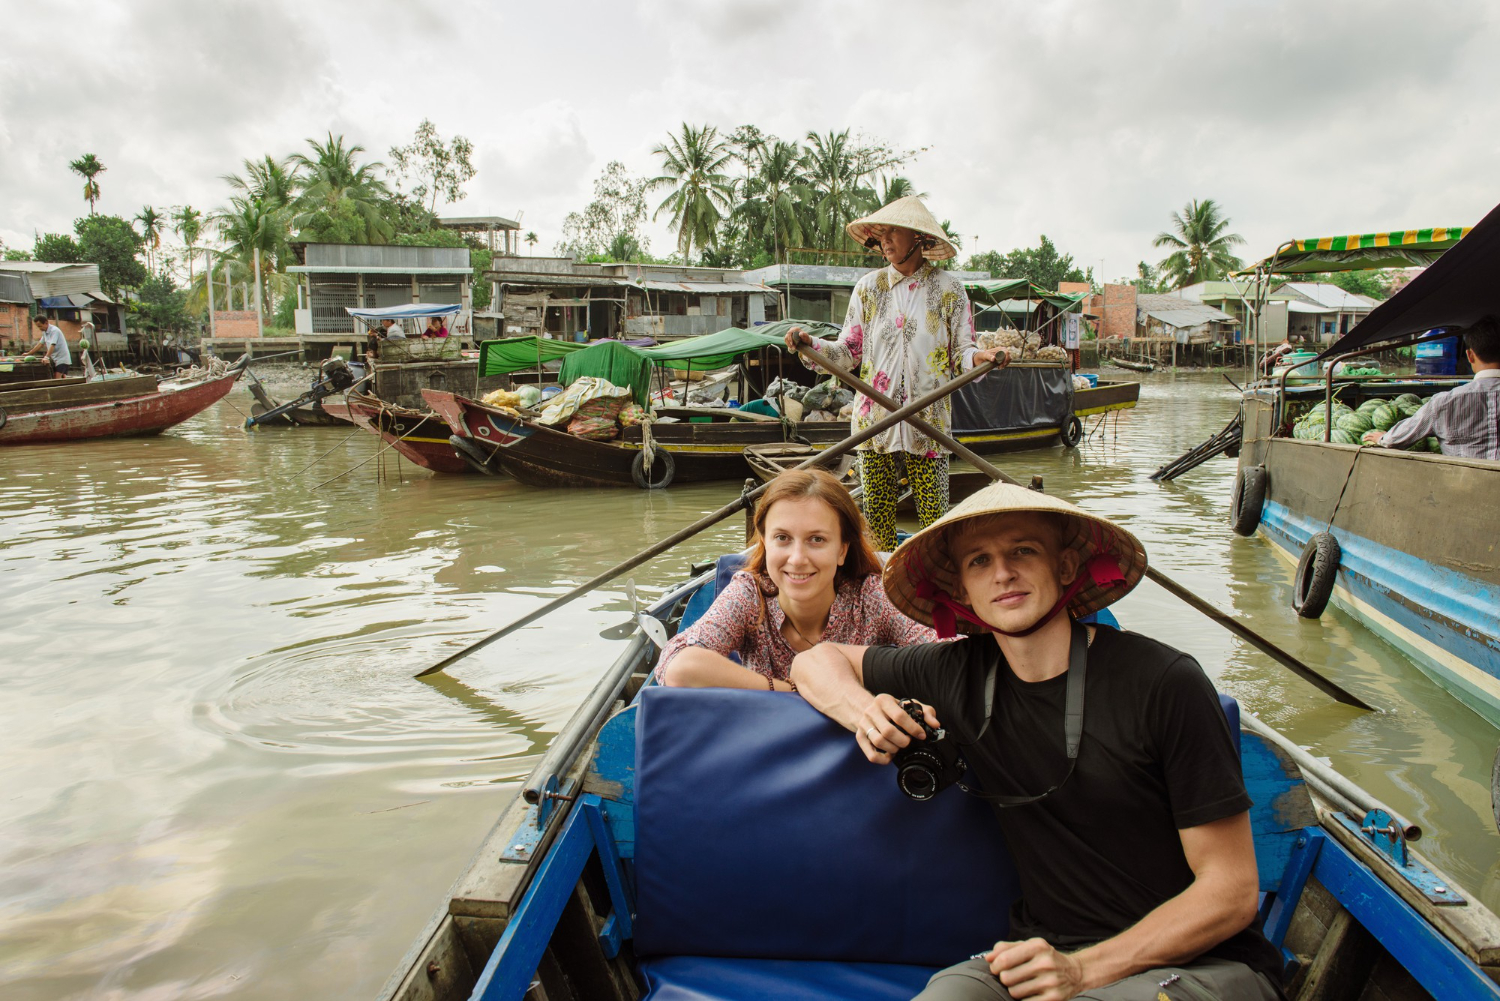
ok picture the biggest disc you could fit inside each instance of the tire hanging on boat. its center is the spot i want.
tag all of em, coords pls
(1247, 499)
(640, 474)
(1317, 571)
(3, 417)
(1072, 431)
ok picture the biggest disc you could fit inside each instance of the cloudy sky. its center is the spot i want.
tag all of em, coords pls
(1087, 121)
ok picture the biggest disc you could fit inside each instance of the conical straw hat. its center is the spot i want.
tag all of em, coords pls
(922, 565)
(908, 213)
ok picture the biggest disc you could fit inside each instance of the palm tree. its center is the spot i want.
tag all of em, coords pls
(88, 167)
(273, 181)
(899, 187)
(1202, 246)
(835, 168)
(188, 223)
(773, 193)
(335, 181)
(151, 224)
(531, 239)
(251, 224)
(693, 167)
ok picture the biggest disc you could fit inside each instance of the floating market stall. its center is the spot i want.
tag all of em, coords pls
(1401, 540)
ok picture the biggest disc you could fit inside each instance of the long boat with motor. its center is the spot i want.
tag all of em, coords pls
(619, 871)
(112, 406)
(1400, 540)
(420, 436)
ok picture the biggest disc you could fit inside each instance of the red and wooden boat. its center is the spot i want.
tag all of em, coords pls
(137, 405)
(421, 436)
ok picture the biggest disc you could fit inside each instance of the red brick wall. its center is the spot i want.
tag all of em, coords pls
(236, 323)
(1117, 309)
(1073, 288)
(15, 325)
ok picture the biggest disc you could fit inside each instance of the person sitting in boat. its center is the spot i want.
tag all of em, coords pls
(909, 328)
(1121, 799)
(435, 327)
(811, 577)
(391, 330)
(53, 345)
(1466, 420)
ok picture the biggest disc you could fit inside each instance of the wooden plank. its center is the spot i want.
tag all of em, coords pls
(1342, 965)
(441, 971)
(72, 380)
(54, 398)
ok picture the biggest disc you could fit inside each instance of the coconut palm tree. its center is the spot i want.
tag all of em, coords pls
(693, 164)
(898, 187)
(88, 167)
(1202, 247)
(188, 223)
(773, 192)
(335, 182)
(251, 224)
(836, 168)
(271, 180)
(151, 226)
(531, 239)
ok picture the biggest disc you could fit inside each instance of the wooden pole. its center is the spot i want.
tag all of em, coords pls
(260, 317)
(212, 329)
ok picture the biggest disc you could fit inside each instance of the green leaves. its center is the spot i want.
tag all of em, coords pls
(1202, 246)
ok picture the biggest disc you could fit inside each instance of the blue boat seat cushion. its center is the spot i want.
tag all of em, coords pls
(763, 833)
(695, 978)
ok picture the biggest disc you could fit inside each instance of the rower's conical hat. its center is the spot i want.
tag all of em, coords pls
(925, 557)
(908, 213)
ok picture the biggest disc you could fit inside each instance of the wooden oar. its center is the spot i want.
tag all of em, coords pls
(708, 521)
(1330, 688)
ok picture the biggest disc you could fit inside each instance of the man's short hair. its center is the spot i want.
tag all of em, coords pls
(1483, 338)
(987, 523)
(42, 320)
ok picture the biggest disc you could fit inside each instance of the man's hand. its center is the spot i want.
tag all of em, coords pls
(884, 728)
(1000, 356)
(1034, 969)
(1372, 437)
(797, 337)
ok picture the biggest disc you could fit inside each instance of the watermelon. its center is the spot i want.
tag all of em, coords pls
(1408, 410)
(1369, 405)
(1342, 437)
(1433, 445)
(1356, 424)
(1385, 418)
(1409, 399)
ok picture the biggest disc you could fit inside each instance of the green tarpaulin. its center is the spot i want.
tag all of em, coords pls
(1402, 248)
(619, 364)
(998, 290)
(719, 349)
(516, 354)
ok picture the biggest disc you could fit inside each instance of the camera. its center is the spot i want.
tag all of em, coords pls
(925, 768)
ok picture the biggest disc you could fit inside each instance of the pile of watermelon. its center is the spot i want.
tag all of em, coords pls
(1349, 424)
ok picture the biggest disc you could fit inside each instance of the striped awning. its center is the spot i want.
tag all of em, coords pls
(1399, 248)
(1438, 237)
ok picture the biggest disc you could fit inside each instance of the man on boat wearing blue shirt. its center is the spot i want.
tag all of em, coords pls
(1107, 754)
(51, 339)
(1466, 420)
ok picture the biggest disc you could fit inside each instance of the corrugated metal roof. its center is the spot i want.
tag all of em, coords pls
(385, 258)
(38, 267)
(13, 288)
(71, 279)
(1332, 297)
(318, 269)
(1185, 312)
(703, 288)
(1179, 317)
(511, 279)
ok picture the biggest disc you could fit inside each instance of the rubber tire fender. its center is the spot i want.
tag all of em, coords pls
(1247, 499)
(1317, 571)
(638, 471)
(1072, 431)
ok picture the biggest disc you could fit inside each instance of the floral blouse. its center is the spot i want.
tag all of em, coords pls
(907, 335)
(861, 615)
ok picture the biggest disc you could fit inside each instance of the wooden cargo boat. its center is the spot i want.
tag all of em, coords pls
(1398, 540)
(420, 436)
(137, 405)
(620, 870)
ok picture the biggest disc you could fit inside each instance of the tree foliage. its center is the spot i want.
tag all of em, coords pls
(339, 198)
(1375, 284)
(89, 168)
(693, 168)
(611, 224)
(151, 226)
(439, 168)
(159, 305)
(57, 248)
(1202, 245)
(1043, 265)
(114, 245)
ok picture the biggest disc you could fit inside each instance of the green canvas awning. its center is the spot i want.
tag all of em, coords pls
(994, 291)
(618, 364)
(719, 349)
(516, 354)
(1401, 248)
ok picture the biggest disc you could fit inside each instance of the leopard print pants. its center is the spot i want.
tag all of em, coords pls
(880, 474)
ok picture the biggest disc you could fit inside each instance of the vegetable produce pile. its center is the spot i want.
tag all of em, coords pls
(1371, 415)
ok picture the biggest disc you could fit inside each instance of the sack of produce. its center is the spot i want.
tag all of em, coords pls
(819, 415)
(568, 402)
(530, 395)
(1052, 353)
(632, 414)
(596, 428)
(504, 398)
(794, 409)
(820, 397)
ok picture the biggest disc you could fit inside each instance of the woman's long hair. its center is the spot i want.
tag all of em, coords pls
(818, 484)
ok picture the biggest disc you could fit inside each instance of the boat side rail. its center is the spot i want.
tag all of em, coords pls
(1339, 359)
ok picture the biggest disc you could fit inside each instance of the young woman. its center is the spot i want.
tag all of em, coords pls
(811, 577)
(435, 328)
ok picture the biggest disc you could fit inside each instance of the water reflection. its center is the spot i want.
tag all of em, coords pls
(222, 780)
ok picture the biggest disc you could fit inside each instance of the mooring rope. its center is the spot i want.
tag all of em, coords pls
(387, 448)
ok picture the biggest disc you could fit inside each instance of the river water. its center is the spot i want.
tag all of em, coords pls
(219, 779)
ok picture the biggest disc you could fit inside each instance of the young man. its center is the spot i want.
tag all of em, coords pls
(1466, 420)
(1107, 753)
(909, 329)
(51, 339)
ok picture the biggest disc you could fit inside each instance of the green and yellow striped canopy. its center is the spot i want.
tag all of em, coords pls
(1398, 248)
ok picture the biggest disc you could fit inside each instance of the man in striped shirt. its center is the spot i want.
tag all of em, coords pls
(1466, 420)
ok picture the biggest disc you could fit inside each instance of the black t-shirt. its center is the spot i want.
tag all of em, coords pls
(1157, 756)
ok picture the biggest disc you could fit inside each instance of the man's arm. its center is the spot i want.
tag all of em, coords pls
(1220, 902)
(830, 677)
(1422, 424)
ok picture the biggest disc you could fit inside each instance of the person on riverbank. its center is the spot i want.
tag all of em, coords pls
(811, 577)
(1085, 723)
(909, 328)
(53, 345)
(1466, 420)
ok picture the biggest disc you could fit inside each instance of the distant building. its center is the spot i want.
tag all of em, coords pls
(486, 228)
(69, 294)
(340, 275)
(1123, 312)
(1319, 312)
(820, 292)
(561, 298)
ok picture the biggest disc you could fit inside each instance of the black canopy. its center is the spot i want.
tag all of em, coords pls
(1454, 292)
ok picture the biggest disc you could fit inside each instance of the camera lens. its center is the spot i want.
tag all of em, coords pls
(917, 782)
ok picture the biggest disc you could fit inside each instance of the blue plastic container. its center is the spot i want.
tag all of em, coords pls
(1438, 357)
(1093, 379)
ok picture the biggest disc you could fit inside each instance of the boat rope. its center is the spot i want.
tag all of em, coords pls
(387, 448)
(1358, 451)
(326, 454)
(648, 446)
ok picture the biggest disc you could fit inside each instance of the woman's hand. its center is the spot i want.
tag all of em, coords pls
(885, 727)
(1000, 356)
(797, 337)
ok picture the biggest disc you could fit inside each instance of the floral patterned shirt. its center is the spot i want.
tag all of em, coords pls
(907, 335)
(861, 615)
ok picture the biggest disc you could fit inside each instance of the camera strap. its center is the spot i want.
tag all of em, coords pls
(1078, 655)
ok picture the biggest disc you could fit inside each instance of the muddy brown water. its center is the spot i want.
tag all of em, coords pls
(218, 778)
